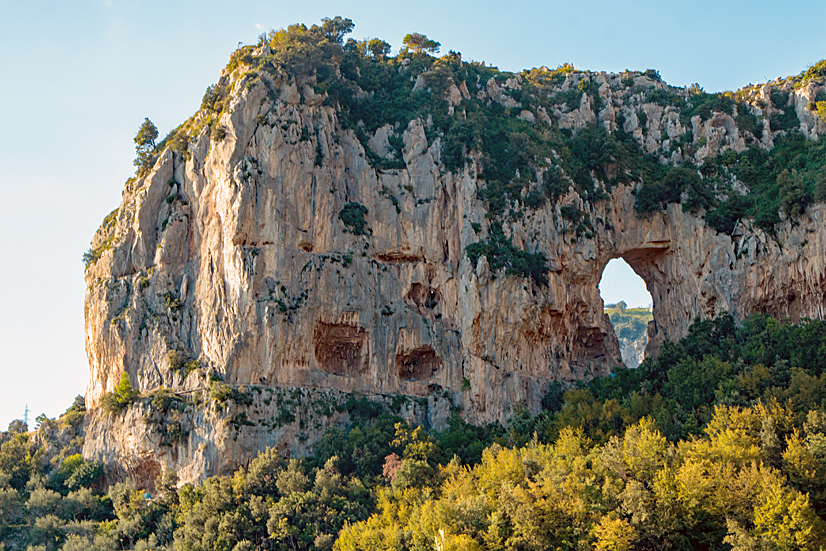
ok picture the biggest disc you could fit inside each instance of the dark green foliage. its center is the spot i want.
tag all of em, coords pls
(748, 122)
(815, 72)
(787, 120)
(16, 460)
(74, 415)
(706, 105)
(465, 441)
(299, 50)
(419, 43)
(514, 151)
(361, 449)
(217, 132)
(18, 426)
(578, 220)
(276, 503)
(656, 195)
(144, 146)
(352, 216)
(788, 178)
(75, 473)
(220, 392)
(716, 364)
(213, 100)
(378, 48)
(501, 253)
(554, 398)
(178, 361)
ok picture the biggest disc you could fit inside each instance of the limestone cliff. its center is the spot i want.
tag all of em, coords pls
(235, 263)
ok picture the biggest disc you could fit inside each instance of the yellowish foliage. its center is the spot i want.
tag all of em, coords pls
(614, 534)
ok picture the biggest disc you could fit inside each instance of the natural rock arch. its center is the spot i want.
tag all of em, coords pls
(264, 286)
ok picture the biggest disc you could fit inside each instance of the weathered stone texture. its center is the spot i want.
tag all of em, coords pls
(236, 257)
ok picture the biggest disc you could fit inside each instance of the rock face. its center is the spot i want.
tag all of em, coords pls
(633, 351)
(235, 258)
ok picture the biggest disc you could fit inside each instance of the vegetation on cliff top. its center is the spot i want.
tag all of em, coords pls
(717, 443)
(527, 161)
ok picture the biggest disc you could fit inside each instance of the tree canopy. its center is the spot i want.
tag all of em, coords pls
(419, 43)
(145, 145)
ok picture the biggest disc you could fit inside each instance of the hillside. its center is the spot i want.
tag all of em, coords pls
(718, 443)
(427, 233)
(631, 328)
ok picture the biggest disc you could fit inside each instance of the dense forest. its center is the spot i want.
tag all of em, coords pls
(717, 443)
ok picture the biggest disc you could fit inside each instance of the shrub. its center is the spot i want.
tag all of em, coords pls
(820, 107)
(76, 472)
(213, 100)
(654, 196)
(219, 392)
(75, 414)
(815, 72)
(217, 132)
(352, 216)
(501, 253)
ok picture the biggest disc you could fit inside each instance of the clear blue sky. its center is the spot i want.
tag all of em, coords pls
(79, 77)
(620, 282)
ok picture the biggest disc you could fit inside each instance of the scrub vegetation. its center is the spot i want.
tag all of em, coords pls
(717, 443)
(524, 162)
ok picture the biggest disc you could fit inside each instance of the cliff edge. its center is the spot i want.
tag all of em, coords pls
(280, 254)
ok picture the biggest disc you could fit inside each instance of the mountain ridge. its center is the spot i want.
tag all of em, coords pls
(301, 235)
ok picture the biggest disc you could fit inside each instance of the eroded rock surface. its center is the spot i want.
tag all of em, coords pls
(235, 258)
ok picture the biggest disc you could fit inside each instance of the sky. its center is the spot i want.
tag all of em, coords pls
(620, 282)
(79, 77)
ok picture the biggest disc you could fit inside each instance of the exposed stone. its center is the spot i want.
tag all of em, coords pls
(417, 364)
(249, 271)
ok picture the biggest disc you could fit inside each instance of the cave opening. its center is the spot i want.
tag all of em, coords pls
(629, 306)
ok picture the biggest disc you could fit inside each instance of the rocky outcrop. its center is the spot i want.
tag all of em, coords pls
(232, 263)
(633, 351)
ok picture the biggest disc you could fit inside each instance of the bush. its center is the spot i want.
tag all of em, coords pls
(76, 472)
(217, 132)
(501, 253)
(352, 216)
(655, 196)
(213, 100)
(122, 397)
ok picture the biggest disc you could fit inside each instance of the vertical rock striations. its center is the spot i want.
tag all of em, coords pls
(266, 276)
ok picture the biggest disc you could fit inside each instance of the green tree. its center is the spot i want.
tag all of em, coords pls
(144, 145)
(121, 398)
(15, 460)
(18, 427)
(334, 29)
(420, 43)
(792, 193)
(378, 48)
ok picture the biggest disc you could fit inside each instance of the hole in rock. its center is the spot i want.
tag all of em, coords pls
(341, 349)
(417, 364)
(629, 306)
(423, 296)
